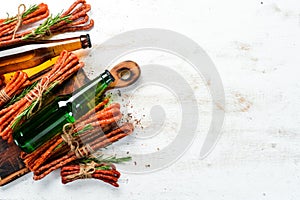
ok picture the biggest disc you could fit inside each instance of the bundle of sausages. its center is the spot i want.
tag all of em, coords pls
(59, 153)
(76, 16)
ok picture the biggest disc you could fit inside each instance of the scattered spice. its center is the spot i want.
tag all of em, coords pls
(119, 93)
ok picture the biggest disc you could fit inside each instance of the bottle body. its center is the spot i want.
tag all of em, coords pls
(50, 120)
(32, 58)
(47, 123)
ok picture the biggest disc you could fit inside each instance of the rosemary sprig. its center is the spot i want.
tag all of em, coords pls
(104, 167)
(51, 87)
(31, 9)
(85, 128)
(26, 113)
(110, 159)
(44, 28)
(22, 115)
(20, 96)
(100, 160)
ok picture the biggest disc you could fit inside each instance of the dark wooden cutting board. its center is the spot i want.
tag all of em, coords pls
(11, 166)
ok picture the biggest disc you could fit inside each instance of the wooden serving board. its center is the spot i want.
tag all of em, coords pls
(11, 166)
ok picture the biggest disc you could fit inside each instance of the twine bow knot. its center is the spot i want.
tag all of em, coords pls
(67, 136)
(85, 171)
(37, 94)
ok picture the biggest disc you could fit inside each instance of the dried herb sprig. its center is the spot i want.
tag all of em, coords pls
(85, 128)
(20, 96)
(44, 28)
(105, 160)
(30, 10)
(33, 106)
(109, 159)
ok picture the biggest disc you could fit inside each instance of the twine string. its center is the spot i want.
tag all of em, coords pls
(3, 96)
(37, 94)
(74, 145)
(68, 138)
(85, 171)
(19, 19)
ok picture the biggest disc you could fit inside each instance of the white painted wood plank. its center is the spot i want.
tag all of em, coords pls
(255, 47)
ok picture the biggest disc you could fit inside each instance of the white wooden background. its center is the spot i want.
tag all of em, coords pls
(255, 46)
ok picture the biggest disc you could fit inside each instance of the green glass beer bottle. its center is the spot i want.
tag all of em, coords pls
(50, 120)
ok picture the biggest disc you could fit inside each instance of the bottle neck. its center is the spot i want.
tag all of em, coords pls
(87, 93)
(72, 44)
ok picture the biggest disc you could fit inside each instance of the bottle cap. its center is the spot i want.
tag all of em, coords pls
(107, 77)
(85, 41)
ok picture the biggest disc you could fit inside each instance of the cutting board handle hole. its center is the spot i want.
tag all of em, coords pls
(124, 74)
